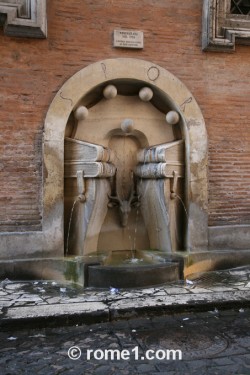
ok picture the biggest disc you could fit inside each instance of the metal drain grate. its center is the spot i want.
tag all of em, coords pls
(240, 7)
(223, 277)
(212, 278)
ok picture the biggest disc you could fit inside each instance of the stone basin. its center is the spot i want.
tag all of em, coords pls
(127, 269)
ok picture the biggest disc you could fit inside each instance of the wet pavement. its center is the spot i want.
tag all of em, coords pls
(200, 326)
(47, 302)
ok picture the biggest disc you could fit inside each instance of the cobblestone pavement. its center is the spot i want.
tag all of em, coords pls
(47, 299)
(211, 343)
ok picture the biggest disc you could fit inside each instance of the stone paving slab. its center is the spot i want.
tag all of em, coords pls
(60, 310)
(30, 301)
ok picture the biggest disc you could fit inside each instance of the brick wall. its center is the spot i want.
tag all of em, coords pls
(80, 33)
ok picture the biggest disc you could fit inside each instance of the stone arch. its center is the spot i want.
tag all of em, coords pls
(180, 99)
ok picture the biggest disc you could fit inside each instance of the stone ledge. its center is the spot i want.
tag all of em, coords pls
(235, 237)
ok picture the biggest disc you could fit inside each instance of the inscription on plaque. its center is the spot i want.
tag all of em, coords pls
(128, 39)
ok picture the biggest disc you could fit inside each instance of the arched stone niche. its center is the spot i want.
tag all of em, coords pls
(83, 88)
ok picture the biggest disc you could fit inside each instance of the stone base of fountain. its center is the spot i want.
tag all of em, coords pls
(127, 269)
(84, 271)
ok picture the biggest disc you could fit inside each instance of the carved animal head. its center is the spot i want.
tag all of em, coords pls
(124, 206)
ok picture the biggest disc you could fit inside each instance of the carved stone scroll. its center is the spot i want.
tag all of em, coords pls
(155, 212)
(157, 168)
(87, 218)
(86, 201)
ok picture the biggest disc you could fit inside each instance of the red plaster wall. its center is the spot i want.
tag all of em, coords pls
(80, 33)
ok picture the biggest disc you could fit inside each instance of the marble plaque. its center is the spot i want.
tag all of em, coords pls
(128, 39)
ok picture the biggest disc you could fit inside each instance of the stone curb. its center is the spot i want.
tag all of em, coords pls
(96, 312)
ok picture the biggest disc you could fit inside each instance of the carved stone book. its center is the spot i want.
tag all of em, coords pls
(159, 170)
(76, 150)
(167, 152)
(94, 169)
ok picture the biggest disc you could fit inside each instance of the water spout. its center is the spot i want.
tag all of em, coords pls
(177, 196)
(70, 219)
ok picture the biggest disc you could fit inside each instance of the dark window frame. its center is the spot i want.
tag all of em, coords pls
(223, 29)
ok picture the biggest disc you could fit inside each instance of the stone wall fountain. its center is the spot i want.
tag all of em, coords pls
(124, 176)
(125, 187)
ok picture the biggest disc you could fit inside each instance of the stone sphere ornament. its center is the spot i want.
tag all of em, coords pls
(146, 94)
(172, 117)
(110, 92)
(81, 113)
(127, 125)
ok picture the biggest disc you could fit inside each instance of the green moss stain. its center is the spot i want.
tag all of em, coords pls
(71, 273)
(189, 261)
